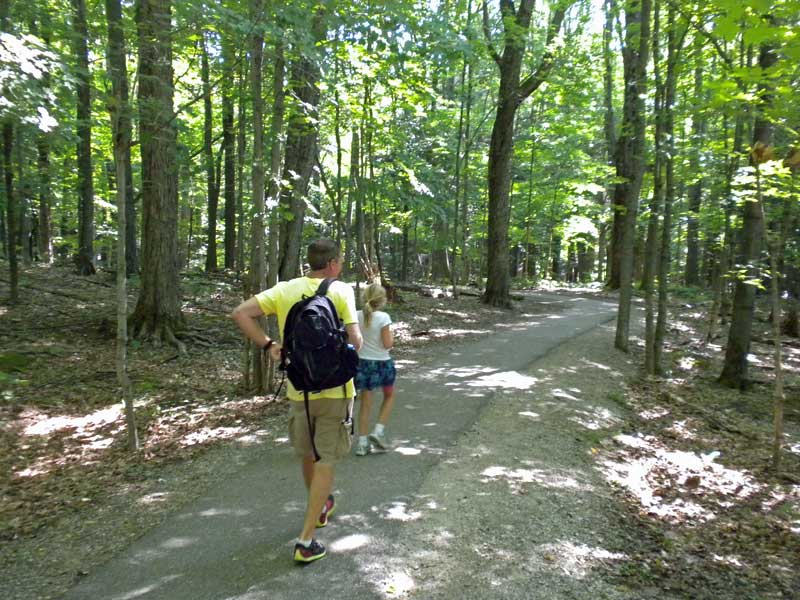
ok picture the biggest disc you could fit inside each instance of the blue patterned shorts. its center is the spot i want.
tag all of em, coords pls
(374, 374)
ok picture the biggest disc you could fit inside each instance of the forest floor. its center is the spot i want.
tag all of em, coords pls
(689, 465)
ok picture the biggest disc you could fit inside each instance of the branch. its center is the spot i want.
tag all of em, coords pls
(488, 35)
(698, 27)
(537, 78)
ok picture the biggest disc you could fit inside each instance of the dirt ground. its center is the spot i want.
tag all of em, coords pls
(71, 494)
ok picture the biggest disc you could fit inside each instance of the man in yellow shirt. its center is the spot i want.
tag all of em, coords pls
(329, 408)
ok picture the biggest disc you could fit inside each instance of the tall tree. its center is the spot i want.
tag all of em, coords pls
(229, 146)
(301, 143)
(212, 187)
(692, 273)
(85, 258)
(257, 262)
(118, 68)
(43, 141)
(119, 110)
(605, 254)
(735, 370)
(276, 159)
(8, 182)
(512, 92)
(631, 150)
(158, 311)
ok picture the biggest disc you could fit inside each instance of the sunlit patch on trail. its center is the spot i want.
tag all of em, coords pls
(207, 434)
(398, 511)
(506, 380)
(576, 560)
(408, 451)
(462, 372)
(405, 363)
(516, 478)
(675, 485)
(529, 414)
(179, 542)
(651, 414)
(397, 585)
(350, 542)
(559, 393)
(682, 430)
(595, 419)
(602, 367)
(46, 425)
(154, 498)
(732, 560)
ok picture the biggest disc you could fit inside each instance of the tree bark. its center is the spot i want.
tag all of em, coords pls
(735, 370)
(85, 257)
(11, 209)
(301, 147)
(158, 310)
(229, 145)
(631, 151)
(511, 94)
(276, 159)
(119, 111)
(117, 65)
(610, 131)
(212, 187)
(651, 252)
(241, 146)
(692, 274)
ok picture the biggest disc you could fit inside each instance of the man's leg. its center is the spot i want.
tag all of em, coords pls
(319, 486)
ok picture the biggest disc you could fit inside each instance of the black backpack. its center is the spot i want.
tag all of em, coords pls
(316, 355)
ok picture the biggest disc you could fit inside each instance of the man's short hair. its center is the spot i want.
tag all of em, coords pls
(321, 252)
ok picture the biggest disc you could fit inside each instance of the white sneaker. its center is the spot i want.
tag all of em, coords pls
(362, 449)
(379, 440)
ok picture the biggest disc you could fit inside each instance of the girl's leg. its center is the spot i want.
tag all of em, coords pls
(387, 405)
(364, 409)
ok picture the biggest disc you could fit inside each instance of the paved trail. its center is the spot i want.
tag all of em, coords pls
(398, 530)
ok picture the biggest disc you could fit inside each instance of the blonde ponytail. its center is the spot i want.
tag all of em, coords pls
(374, 298)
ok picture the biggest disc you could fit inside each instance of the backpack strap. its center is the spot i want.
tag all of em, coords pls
(310, 427)
(323, 287)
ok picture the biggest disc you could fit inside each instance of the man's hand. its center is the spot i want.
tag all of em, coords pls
(275, 351)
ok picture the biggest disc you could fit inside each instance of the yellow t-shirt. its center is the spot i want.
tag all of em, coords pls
(278, 300)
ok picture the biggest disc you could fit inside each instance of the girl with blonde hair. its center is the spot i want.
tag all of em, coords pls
(375, 369)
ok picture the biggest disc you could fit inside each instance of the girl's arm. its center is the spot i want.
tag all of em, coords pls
(387, 337)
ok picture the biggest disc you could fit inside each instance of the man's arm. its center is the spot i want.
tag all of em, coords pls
(246, 315)
(354, 335)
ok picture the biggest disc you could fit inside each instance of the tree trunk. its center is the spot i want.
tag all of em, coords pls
(229, 145)
(651, 252)
(241, 146)
(120, 126)
(158, 311)
(692, 275)
(11, 209)
(208, 154)
(44, 227)
(85, 257)
(276, 155)
(257, 264)
(301, 147)
(735, 371)
(631, 151)
(511, 94)
(608, 254)
(117, 65)
(675, 44)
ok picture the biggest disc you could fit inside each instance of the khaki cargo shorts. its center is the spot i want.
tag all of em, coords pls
(331, 434)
